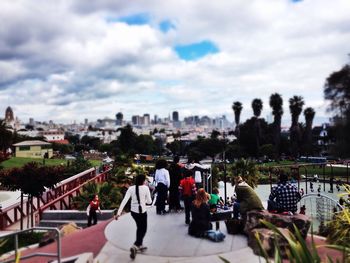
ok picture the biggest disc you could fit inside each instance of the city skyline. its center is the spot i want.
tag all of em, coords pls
(70, 61)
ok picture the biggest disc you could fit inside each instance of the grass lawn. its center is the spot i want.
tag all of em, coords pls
(20, 161)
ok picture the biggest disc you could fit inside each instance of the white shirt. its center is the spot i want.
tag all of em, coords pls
(145, 198)
(162, 176)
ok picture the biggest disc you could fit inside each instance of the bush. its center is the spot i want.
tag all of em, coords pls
(24, 239)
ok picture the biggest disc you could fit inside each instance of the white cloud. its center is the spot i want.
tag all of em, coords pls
(64, 61)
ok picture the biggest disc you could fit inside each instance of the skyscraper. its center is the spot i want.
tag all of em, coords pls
(119, 118)
(9, 115)
(175, 116)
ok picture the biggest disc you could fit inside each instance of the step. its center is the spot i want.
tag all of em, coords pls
(73, 215)
(58, 223)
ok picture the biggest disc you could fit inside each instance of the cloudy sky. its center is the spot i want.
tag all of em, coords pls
(67, 60)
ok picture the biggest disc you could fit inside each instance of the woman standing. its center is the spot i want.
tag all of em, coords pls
(200, 223)
(162, 179)
(140, 196)
(93, 206)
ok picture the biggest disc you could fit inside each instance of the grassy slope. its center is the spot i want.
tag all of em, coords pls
(19, 162)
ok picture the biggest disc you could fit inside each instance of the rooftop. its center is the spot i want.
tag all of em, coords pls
(31, 143)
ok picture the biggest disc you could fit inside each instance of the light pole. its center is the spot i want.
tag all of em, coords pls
(224, 157)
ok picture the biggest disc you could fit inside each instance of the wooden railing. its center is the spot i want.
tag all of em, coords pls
(61, 194)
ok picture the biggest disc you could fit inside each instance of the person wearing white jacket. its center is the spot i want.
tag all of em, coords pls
(162, 179)
(140, 196)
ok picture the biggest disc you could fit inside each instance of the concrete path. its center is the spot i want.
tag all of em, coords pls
(167, 241)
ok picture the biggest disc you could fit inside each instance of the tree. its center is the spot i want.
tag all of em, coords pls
(247, 170)
(237, 109)
(22, 179)
(5, 136)
(296, 104)
(337, 92)
(276, 103)
(126, 140)
(257, 106)
(309, 114)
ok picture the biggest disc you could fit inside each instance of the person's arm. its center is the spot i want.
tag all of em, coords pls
(88, 210)
(123, 203)
(148, 197)
(167, 177)
(273, 194)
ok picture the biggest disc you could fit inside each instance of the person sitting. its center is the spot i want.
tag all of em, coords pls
(284, 197)
(200, 223)
(246, 199)
(214, 200)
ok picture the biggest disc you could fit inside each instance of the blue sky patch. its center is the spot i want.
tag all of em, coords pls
(166, 25)
(136, 19)
(196, 50)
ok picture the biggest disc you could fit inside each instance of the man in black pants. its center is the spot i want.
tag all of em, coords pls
(175, 178)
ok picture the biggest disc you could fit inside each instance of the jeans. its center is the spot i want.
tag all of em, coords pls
(236, 208)
(141, 225)
(162, 192)
(92, 216)
(187, 202)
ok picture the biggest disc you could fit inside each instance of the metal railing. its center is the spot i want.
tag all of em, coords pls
(35, 254)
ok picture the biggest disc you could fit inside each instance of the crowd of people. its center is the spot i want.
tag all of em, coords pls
(184, 182)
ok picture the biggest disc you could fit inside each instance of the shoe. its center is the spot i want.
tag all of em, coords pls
(142, 248)
(187, 222)
(164, 212)
(133, 251)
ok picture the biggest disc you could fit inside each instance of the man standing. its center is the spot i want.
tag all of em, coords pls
(175, 178)
(284, 197)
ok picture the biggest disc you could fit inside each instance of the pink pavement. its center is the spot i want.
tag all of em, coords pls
(91, 239)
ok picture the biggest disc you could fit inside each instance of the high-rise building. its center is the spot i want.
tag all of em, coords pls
(136, 120)
(9, 115)
(175, 116)
(146, 119)
(86, 122)
(119, 118)
(31, 121)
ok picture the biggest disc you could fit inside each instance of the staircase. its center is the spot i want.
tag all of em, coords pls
(57, 218)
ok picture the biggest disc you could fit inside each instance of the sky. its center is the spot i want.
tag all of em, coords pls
(67, 60)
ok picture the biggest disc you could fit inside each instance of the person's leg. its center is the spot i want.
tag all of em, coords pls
(236, 209)
(162, 197)
(159, 198)
(187, 204)
(141, 227)
(89, 219)
(94, 217)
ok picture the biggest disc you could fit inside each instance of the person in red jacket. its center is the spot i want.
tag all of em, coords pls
(94, 205)
(188, 190)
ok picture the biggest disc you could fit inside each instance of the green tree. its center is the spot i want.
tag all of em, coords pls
(247, 170)
(309, 114)
(337, 92)
(276, 103)
(296, 104)
(5, 136)
(32, 180)
(126, 140)
(257, 106)
(237, 109)
(145, 144)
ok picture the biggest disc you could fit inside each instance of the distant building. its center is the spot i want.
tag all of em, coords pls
(9, 117)
(146, 119)
(136, 120)
(55, 136)
(119, 119)
(33, 149)
(175, 116)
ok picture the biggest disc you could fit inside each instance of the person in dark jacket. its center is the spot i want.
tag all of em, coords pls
(175, 178)
(200, 223)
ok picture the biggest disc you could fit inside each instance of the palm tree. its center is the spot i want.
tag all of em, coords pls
(257, 106)
(237, 109)
(296, 104)
(247, 170)
(309, 114)
(276, 103)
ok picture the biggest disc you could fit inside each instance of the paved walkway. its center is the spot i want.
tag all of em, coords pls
(167, 241)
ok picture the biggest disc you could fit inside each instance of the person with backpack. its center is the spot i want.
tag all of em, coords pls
(187, 188)
(140, 196)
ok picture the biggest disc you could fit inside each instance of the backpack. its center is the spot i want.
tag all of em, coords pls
(215, 235)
